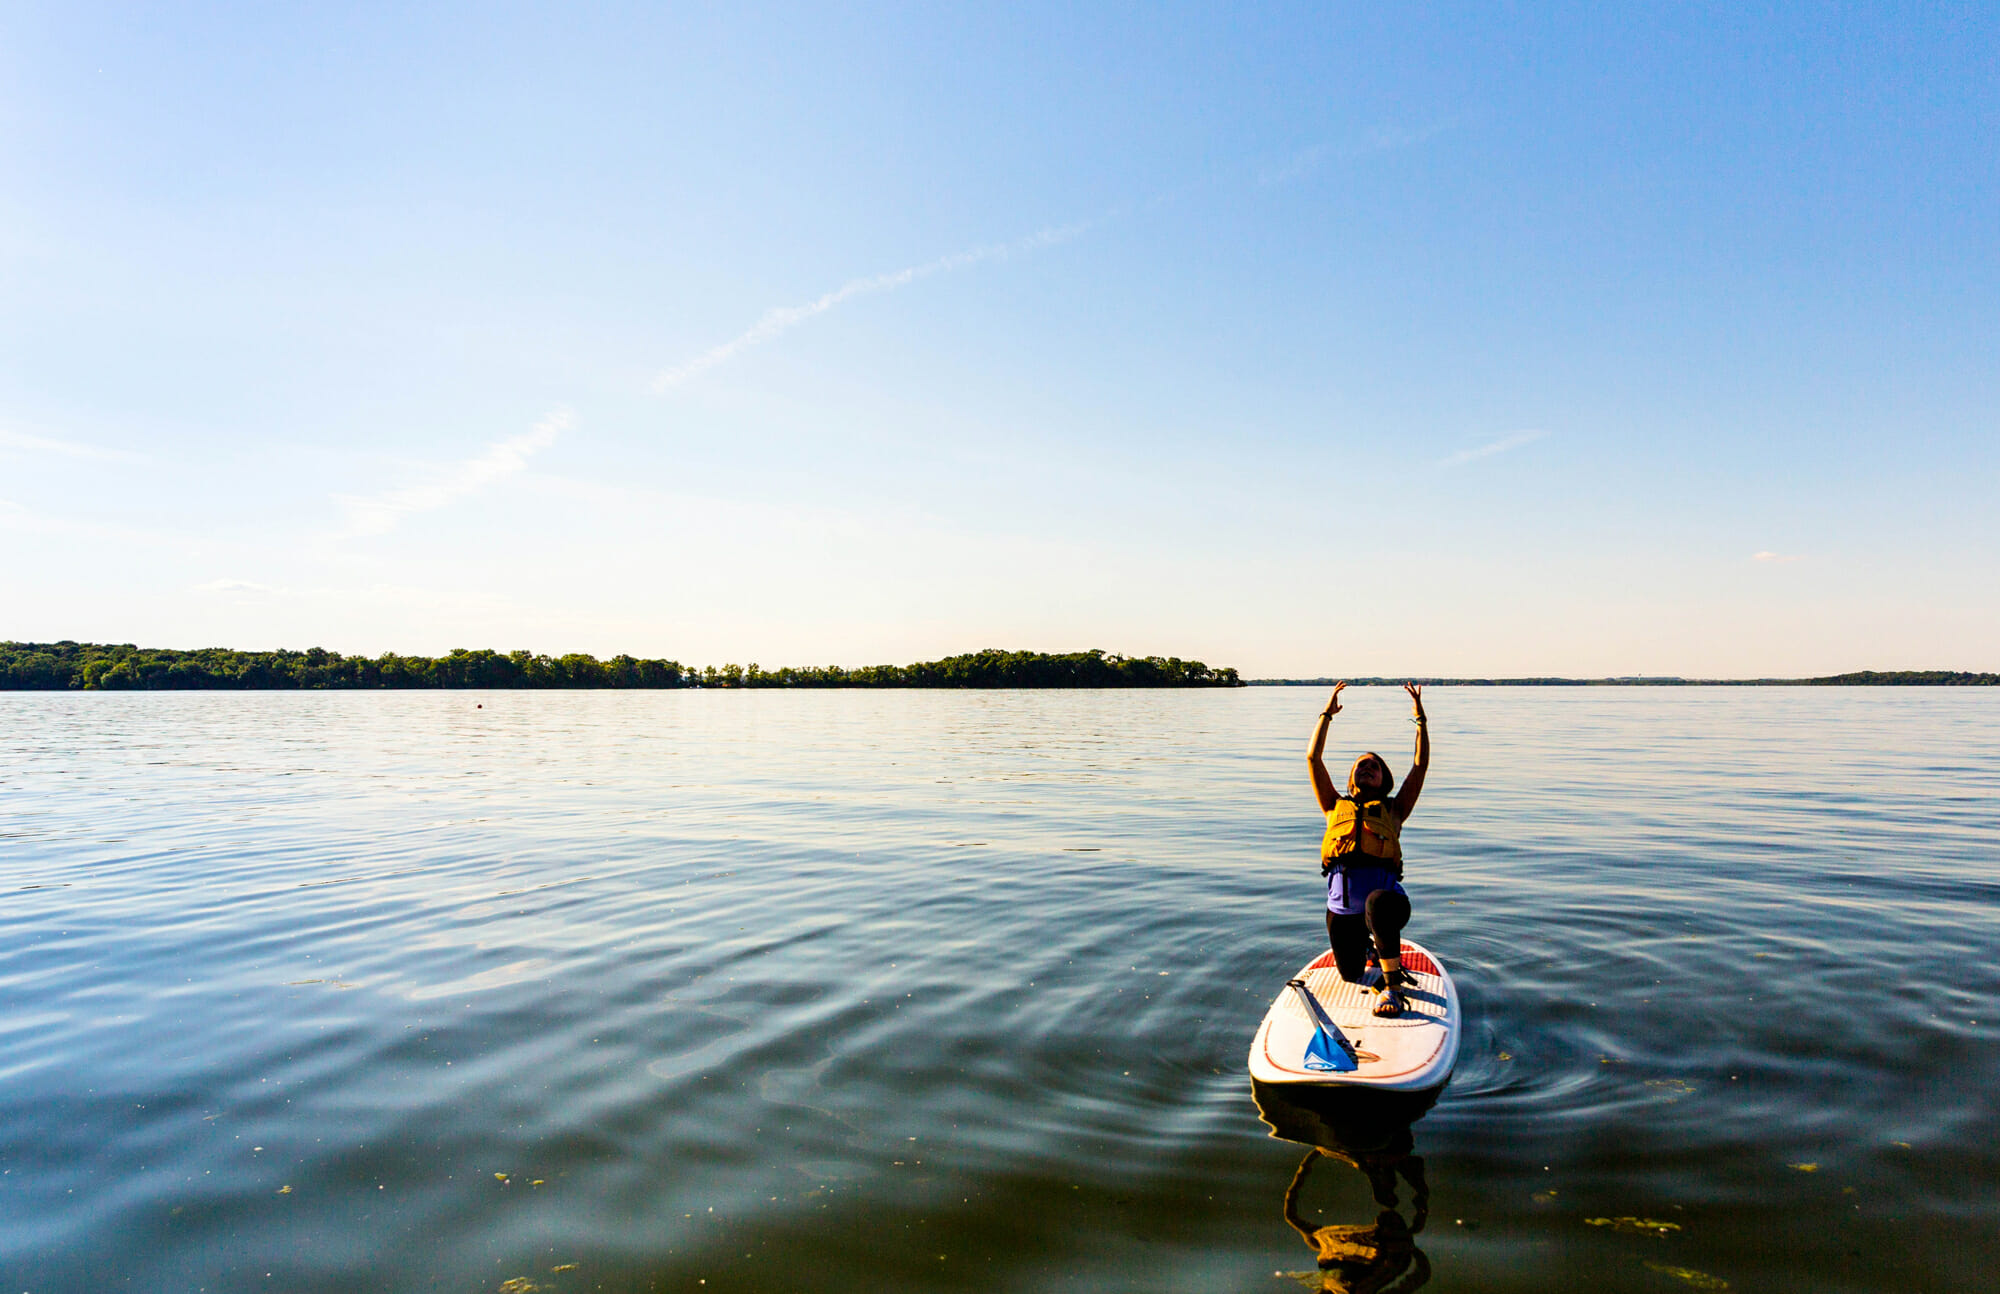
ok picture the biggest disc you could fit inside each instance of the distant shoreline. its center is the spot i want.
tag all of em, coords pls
(1860, 678)
(122, 667)
(68, 666)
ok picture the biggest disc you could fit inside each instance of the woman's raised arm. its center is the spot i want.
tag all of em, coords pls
(1413, 785)
(1322, 784)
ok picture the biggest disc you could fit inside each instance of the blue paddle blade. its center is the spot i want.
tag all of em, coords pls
(1326, 1056)
(1329, 1052)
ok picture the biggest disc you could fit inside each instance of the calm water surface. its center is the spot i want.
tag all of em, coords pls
(929, 991)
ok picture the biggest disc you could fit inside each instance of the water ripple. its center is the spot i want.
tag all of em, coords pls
(765, 990)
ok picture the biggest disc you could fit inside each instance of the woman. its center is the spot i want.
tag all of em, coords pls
(1362, 857)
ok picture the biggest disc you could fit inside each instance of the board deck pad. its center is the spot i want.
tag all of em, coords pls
(1409, 1052)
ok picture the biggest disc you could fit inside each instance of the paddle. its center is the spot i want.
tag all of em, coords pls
(1329, 1051)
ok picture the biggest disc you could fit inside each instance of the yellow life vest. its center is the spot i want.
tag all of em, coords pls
(1368, 827)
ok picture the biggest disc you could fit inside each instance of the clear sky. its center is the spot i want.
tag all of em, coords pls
(1325, 339)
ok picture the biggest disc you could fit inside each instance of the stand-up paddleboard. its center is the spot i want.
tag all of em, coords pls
(1322, 1030)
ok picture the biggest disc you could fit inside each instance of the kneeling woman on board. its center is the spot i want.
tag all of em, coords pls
(1362, 856)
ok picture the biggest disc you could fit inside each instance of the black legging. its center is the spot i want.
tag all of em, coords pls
(1347, 932)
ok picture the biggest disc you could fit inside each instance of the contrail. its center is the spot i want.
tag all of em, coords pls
(70, 448)
(378, 514)
(1499, 446)
(782, 319)
(779, 320)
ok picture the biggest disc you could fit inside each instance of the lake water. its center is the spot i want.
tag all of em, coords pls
(952, 991)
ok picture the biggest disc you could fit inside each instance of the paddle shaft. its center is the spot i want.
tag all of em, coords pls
(1323, 1020)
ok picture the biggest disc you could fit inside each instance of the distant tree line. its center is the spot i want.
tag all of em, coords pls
(1860, 678)
(65, 666)
(69, 665)
(993, 668)
(1906, 678)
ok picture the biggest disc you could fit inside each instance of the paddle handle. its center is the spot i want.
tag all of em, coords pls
(1313, 1008)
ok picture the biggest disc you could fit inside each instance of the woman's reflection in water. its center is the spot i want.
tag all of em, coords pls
(1369, 1131)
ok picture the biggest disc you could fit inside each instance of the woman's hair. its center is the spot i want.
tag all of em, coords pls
(1388, 776)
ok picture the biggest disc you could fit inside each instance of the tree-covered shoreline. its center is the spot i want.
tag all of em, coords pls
(1859, 678)
(72, 666)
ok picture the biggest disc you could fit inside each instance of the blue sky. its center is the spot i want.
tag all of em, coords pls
(1314, 340)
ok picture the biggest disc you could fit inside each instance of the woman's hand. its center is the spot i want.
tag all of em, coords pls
(1333, 702)
(1416, 700)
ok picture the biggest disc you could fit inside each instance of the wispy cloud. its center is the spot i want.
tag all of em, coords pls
(1381, 139)
(377, 514)
(21, 440)
(1499, 446)
(780, 320)
(239, 587)
(1769, 556)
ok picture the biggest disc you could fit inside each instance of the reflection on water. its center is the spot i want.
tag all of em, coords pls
(1369, 1132)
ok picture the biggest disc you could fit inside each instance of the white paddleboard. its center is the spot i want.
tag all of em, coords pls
(1407, 1053)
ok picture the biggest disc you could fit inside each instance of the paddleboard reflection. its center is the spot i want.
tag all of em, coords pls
(1370, 1132)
